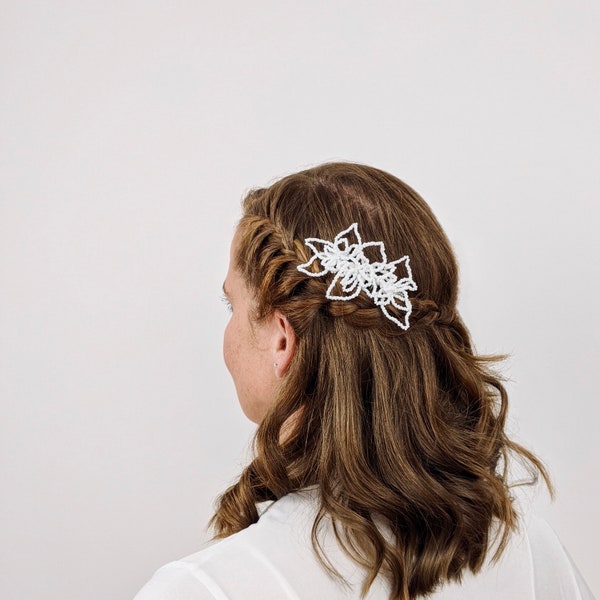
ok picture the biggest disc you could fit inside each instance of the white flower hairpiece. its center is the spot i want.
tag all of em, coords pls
(355, 273)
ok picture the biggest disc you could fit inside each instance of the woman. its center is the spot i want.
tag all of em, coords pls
(381, 463)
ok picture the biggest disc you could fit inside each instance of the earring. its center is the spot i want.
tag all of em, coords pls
(275, 365)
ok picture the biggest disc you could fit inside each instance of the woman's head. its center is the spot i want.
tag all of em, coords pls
(320, 203)
(402, 426)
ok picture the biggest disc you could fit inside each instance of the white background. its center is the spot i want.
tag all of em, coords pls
(129, 132)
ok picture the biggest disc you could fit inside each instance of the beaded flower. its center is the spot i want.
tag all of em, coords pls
(355, 273)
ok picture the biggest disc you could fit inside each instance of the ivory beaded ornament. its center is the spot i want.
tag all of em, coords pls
(355, 273)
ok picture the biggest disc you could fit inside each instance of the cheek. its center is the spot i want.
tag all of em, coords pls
(227, 345)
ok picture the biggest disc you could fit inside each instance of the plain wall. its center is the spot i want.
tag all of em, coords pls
(129, 132)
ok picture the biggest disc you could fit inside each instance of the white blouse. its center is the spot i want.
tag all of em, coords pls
(273, 559)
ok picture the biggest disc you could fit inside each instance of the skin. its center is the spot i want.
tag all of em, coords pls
(257, 354)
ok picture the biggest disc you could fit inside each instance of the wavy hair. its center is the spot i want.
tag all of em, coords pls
(403, 432)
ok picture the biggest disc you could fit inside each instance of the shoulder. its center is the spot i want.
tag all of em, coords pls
(176, 581)
(272, 558)
(533, 566)
(554, 571)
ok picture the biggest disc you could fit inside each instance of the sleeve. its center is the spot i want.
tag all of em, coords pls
(555, 574)
(584, 590)
(179, 581)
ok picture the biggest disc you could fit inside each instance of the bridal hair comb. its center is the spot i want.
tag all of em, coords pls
(355, 273)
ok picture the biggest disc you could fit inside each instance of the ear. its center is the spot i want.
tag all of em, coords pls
(284, 343)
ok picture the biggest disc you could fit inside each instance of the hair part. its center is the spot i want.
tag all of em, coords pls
(403, 432)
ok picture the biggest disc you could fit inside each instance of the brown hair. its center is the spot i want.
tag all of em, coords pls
(403, 429)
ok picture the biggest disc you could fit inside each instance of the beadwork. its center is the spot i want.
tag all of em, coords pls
(355, 273)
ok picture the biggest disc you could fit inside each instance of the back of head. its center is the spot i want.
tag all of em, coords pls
(325, 200)
(401, 428)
